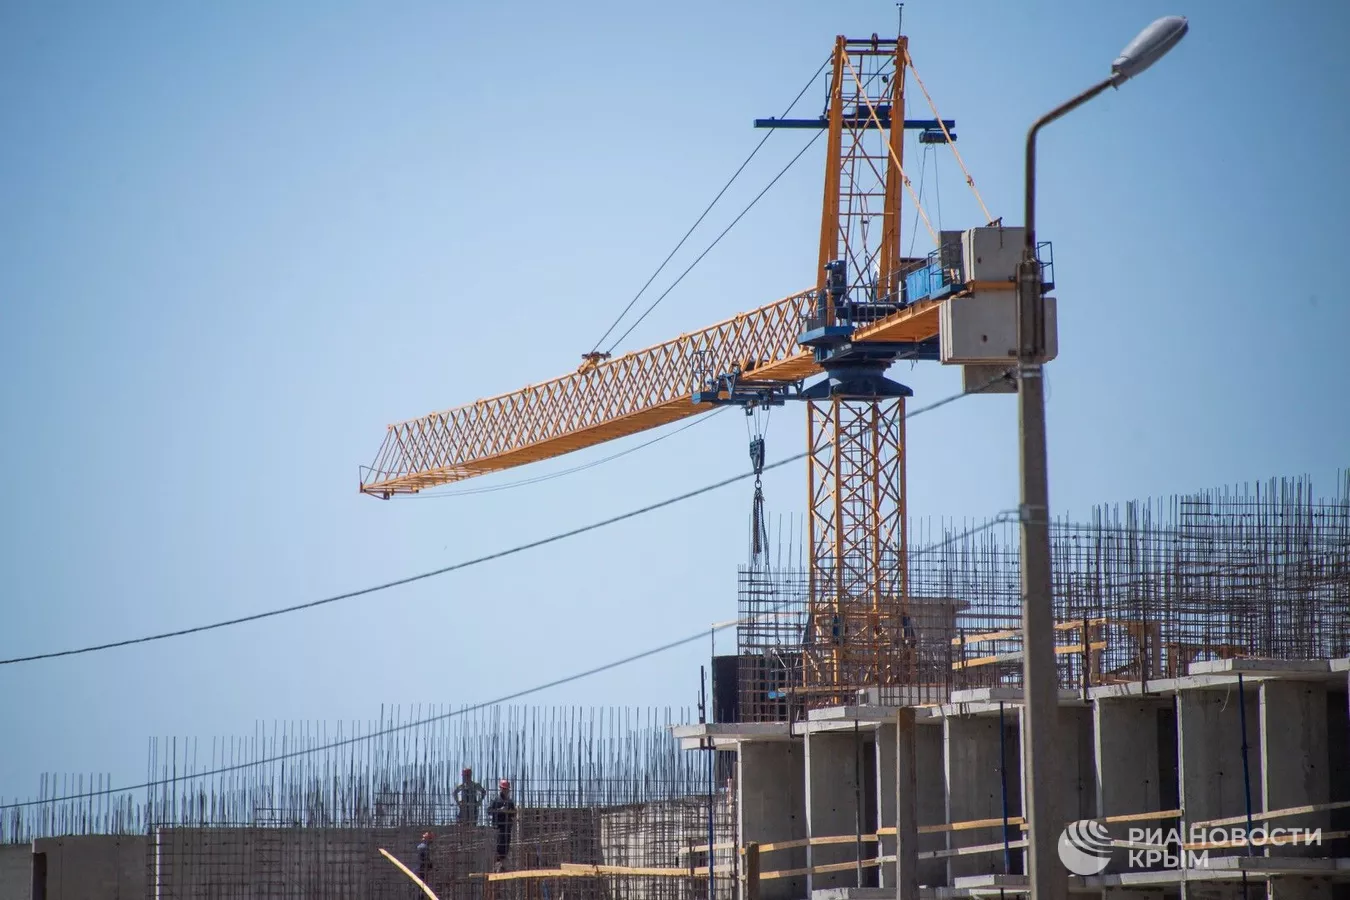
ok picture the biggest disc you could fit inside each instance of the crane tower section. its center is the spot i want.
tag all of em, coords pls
(859, 629)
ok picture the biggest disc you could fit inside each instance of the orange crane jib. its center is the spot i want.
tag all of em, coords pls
(757, 356)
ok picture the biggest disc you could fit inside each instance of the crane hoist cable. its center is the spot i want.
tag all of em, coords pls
(759, 527)
(923, 167)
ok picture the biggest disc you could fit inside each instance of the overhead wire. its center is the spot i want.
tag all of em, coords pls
(1002, 517)
(707, 209)
(700, 635)
(421, 576)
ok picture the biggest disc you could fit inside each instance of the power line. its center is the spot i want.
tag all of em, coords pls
(707, 210)
(699, 636)
(520, 548)
(1001, 518)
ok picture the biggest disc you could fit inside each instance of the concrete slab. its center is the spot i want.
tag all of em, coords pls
(866, 716)
(1214, 681)
(1252, 666)
(854, 893)
(901, 695)
(729, 734)
(996, 695)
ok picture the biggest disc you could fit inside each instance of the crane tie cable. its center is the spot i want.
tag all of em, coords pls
(705, 212)
(988, 216)
(716, 240)
(872, 111)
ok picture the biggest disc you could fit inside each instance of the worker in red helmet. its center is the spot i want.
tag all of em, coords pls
(503, 813)
(469, 795)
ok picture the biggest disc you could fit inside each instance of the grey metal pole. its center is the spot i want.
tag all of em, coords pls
(1040, 683)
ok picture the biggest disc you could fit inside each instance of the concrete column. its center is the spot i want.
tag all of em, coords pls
(16, 871)
(1210, 734)
(906, 843)
(771, 804)
(1294, 756)
(974, 786)
(1072, 753)
(94, 865)
(1128, 770)
(930, 798)
(1338, 753)
(834, 791)
(887, 768)
(1075, 750)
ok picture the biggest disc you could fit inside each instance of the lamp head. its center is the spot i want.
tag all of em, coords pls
(1149, 46)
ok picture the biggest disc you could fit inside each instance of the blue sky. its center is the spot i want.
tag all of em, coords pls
(238, 239)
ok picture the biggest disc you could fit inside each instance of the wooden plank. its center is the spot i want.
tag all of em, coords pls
(646, 871)
(1275, 814)
(409, 872)
(1270, 841)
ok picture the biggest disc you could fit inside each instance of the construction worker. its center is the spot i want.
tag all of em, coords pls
(502, 809)
(469, 795)
(424, 855)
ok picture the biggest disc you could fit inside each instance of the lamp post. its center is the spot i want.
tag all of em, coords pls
(1040, 682)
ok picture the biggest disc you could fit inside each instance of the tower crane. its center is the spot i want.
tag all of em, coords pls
(828, 346)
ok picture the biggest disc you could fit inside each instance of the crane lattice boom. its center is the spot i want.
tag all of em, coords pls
(619, 397)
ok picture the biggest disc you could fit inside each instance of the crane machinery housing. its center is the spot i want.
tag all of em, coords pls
(829, 347)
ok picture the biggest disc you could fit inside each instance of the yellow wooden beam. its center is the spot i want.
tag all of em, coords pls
(409, 872)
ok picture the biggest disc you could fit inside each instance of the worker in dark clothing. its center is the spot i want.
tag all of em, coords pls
(502, 810)
(424, 856)
(469, 795)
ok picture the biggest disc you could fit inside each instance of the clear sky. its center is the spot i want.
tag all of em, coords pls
(238, 239)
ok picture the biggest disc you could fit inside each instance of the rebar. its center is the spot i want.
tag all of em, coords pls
(1141, 591)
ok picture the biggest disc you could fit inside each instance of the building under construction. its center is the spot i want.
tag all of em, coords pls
(1204, 656)
(865, 739)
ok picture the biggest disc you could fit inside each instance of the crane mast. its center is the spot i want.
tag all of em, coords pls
(858, 606)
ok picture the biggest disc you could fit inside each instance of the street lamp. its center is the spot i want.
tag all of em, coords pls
(1040, 683)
